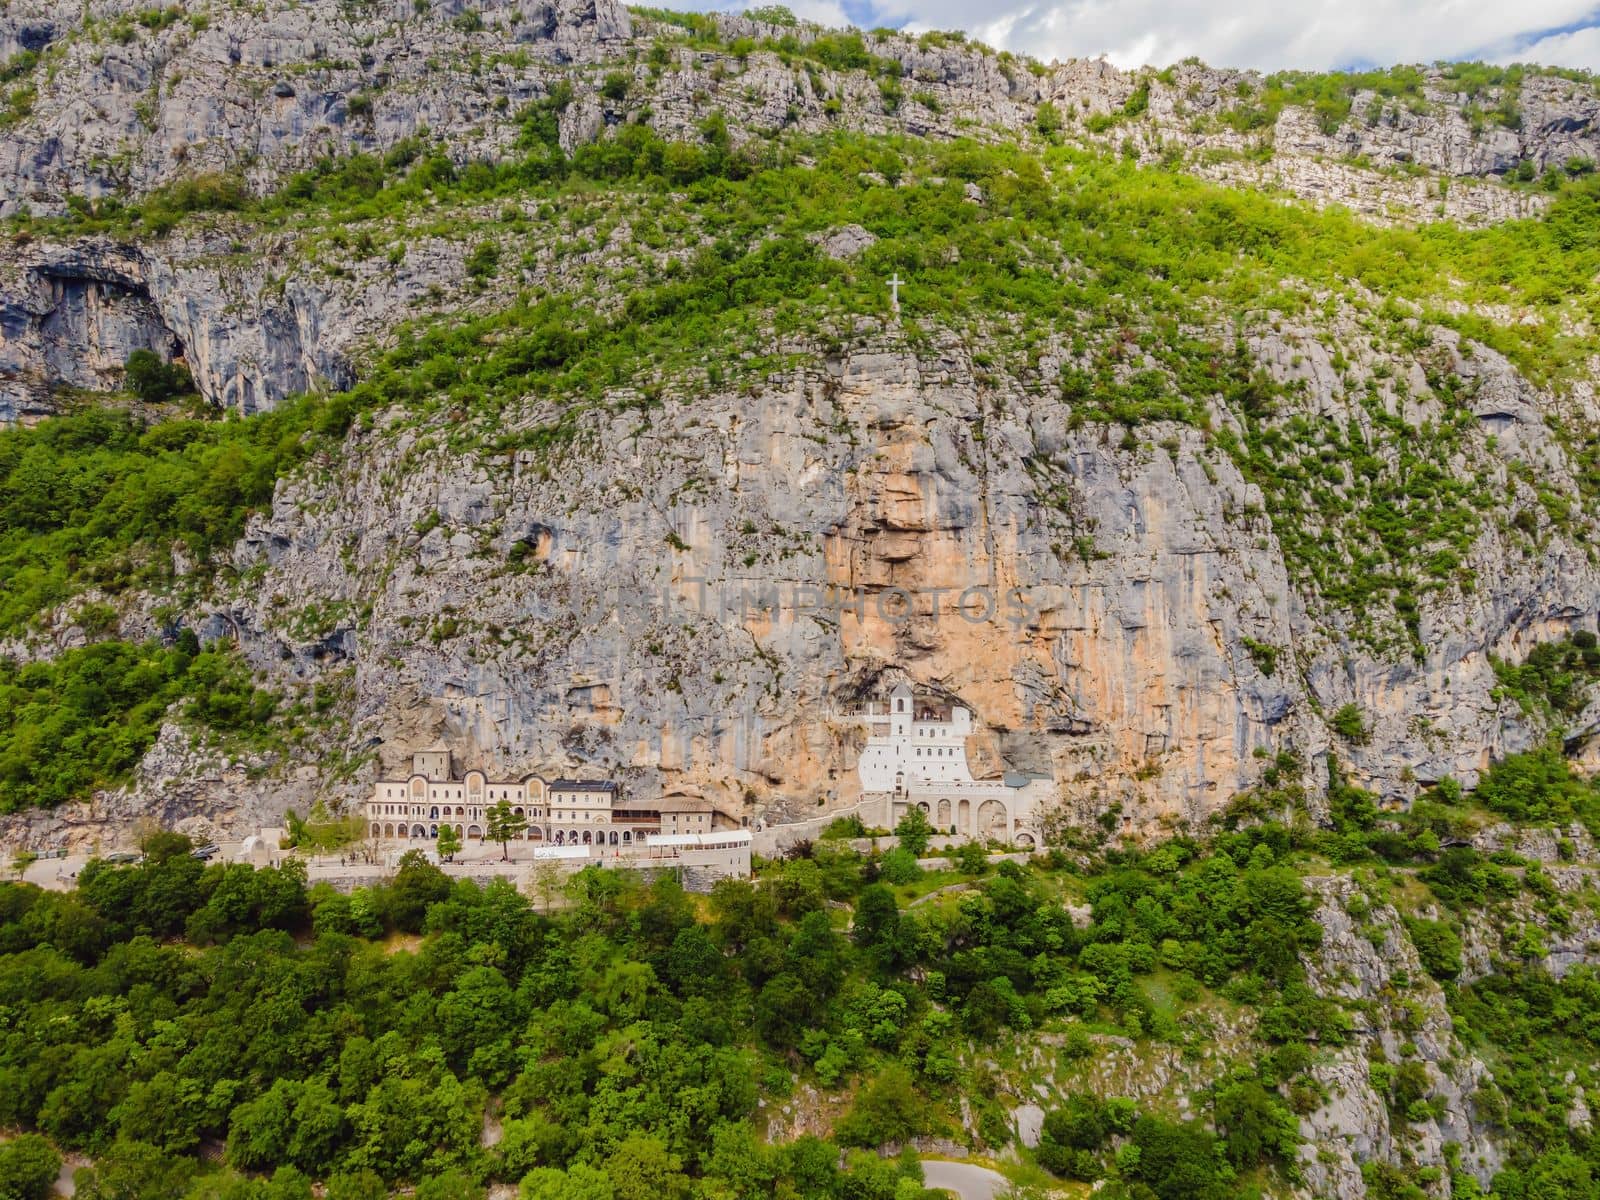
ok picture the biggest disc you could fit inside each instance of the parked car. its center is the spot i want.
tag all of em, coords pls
(204, 852)
(122, 857)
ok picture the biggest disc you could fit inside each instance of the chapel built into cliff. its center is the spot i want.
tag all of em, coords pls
(916, 756)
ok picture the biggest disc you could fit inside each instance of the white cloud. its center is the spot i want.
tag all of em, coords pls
(823, 12)
(1266, 34)
(1312, 34)
(1580, 48)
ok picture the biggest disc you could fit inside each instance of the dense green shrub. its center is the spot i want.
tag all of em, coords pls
(1556, 677)
(154, 380)
(1176, 1161)
(484, 259)
(82, 720)
(98, 499)
(913, 830)
(28, 1168)
(1462, 876)
(1255, 1124)
(1350, 723)
(1539, 787)
(1438, 946)
(1072, 1135)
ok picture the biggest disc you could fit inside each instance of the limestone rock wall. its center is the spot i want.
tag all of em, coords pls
(250, 323)
(120, 103)
(687, 596)
(129, 105)
(1401, 1016)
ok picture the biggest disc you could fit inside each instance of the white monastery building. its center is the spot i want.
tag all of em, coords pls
(560, 812)
(916, 755)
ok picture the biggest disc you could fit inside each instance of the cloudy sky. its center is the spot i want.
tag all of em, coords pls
(1311, 34)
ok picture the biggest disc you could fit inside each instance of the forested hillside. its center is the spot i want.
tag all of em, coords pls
(1203, 1019)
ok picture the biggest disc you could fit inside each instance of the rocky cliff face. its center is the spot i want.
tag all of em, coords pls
(113, 101)
(688, 587)
(73, 313)
(113, 98)
(1399, 1016)
(688, 599)
(132, 100)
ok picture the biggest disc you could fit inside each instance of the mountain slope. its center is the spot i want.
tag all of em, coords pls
(528, 377)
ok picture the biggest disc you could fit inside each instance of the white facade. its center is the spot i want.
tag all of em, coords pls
(916, 756)
(416, 807)
(909, 743)
(724, 854)
(581, 812)
(562, 812)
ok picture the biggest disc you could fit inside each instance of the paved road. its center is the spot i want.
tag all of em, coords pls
(967, 1180)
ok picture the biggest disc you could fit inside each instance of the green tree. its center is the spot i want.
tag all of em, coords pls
(417, 884)
(914, 831)
(1177, 1162)
(362, 1185)
(153, 380)
(783, 1010)
(504, 825)
(1351, 724)
(449, 844)
(1255, 1124)
(578, 1182)
(877, 918)
(1438, 946)
(889, 1109)
(642, 1168)
(159, 846)
(972, 858)
(451, 1185)
(1072, 1134)
(130, 1170)
(28, 1168)
(899, 866)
